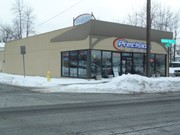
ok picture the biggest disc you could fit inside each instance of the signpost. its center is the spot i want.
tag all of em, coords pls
(167, 45)
(168, 41)
(23, 52)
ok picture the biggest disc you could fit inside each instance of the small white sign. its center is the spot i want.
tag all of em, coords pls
(115, 71)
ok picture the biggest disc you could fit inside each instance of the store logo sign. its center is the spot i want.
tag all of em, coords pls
(120, 44)
(83, 18)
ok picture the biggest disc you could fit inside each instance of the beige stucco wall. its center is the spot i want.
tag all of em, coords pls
(55, 50)
(1, 61)
(41, 56)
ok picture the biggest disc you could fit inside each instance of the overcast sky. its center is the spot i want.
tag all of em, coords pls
(65, 10)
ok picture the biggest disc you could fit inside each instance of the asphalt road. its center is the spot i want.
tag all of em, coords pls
(87, 114)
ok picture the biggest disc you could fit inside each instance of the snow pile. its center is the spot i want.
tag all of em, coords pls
(2, 44)
(36, 81)
(136, 83)
(123, 84)
(129, 84)
(21, 81)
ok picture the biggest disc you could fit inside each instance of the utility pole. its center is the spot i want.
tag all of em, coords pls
(23, 52)
(148, 37)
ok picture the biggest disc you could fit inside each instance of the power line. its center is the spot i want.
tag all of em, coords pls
(59, 13)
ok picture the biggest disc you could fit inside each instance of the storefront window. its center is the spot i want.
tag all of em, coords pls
(160, 65)
(95, 63)
(116, 62)
(138, 64)
(82, 65)
(127, 63)
(106, 64)
(65, 64)
(73, 63)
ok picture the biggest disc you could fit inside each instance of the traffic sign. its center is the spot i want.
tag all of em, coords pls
(168, 41)
(167, 45)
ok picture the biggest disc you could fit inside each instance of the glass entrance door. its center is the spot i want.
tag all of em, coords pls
(126, 65)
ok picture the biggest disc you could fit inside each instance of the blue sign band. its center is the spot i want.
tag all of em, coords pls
(138, 45)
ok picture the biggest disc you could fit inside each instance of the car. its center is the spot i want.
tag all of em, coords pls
(174, 69)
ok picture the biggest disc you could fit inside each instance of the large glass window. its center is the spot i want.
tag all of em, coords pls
(116, 62)
(138, 67)
(73, 63)
(160, 65)
(106, 64)
(82, 65)
(95, 63)
(65, 64)
(157, 64)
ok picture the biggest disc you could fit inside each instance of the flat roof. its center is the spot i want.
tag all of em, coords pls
(109, 29)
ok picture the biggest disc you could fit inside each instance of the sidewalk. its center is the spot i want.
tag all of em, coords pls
(22, 96)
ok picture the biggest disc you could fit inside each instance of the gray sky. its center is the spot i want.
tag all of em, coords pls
(106, 10)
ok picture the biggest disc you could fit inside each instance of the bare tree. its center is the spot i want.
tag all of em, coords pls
(22, 24)
(6, 33)
(162, 18)
(18, 9)
(29, 21)
(23, 21)
(178, 50)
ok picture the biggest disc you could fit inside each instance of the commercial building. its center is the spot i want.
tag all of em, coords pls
(1, 55)
(87, 50)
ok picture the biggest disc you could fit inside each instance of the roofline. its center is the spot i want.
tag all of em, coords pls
(110, 29)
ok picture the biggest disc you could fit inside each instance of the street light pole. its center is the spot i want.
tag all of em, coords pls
(148, 37)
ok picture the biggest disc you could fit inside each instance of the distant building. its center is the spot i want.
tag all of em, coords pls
(87, 50)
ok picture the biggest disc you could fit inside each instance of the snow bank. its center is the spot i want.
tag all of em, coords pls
(122, 84)
(129, 84)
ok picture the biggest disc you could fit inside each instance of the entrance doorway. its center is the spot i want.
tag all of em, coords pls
(126, 64)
